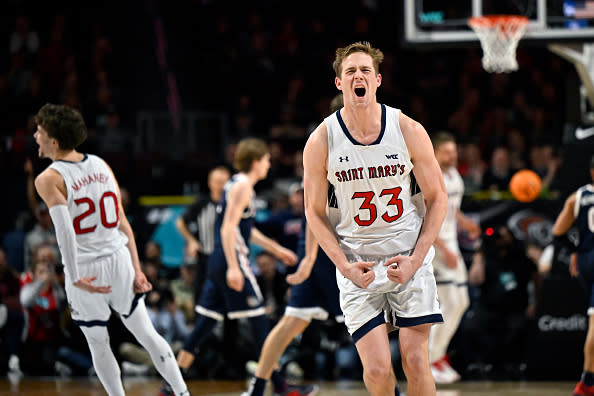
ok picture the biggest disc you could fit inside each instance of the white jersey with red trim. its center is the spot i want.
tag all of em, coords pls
(455, 188)
(381, 207)
(93, 206)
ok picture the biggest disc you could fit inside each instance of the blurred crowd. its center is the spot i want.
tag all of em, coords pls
(271, 77)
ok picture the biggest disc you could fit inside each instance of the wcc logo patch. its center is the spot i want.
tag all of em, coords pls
(392, 156)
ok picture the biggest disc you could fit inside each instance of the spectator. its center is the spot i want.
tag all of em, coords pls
(183, 290)
(14, 243)
(498, 326)
(18, 75)
(12, 319)
(112, 138)
(471, 167)
(169, 320)
(499, 173)
(152, 257)
(23, 40)
(546, 164)
(52, 56)
(516, 141)
(45, 300)
(42, 234)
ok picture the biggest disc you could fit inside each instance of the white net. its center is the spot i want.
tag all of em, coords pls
(499, 36)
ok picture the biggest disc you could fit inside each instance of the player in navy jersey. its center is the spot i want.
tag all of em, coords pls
(381, 243)
(101, 265)
(230, 287)
(579, 211)
(314, 295)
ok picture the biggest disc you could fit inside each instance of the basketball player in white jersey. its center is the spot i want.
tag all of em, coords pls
(376, 158)
(448, 264)
(98, 249)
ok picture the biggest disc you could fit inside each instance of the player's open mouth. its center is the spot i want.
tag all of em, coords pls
(360, 92)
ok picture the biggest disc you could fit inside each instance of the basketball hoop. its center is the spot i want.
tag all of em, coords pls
(499, 36)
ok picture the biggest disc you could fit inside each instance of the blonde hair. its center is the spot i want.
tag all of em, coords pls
(249, 150)
(360, 46)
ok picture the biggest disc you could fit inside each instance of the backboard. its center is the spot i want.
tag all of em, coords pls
(441, 21)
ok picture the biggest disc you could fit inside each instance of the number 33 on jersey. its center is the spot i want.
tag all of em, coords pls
(375, 189)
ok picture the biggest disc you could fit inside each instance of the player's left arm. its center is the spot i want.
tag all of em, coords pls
(430, 180)
(141, 284)
(566, 217)
(287, 256)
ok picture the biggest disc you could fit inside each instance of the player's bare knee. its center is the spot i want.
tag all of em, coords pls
(378, 371)
(415, 361)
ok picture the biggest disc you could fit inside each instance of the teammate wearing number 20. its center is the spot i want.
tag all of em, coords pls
(97, 244)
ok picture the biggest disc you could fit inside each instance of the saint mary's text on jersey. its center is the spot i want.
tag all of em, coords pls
(373, 172)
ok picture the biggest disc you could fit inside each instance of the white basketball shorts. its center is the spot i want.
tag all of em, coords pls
(403, 305)
(116, 270)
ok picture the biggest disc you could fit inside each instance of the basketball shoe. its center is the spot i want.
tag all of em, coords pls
(299, 390)
(443, 372)
(166, 390)
(293, 390)
(582, 389)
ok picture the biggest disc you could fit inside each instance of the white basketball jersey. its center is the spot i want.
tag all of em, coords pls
(455, 188)
(94, 207)
(381, 207)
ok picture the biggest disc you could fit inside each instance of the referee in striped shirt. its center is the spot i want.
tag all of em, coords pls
(196, 225)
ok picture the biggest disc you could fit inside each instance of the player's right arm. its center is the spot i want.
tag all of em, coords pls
(451, 260)
(307, 262)
(566, 216)
(238, 199)
(315, 160)
(468, 225)
(51, 188)
(193, 244)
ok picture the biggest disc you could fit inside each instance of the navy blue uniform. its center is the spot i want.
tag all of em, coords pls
(584, 221)
(217, 297)
(318, 296)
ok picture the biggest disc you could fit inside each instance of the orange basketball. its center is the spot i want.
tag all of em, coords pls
(525, 185)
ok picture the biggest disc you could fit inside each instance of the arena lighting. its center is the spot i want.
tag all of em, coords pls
(489, 231)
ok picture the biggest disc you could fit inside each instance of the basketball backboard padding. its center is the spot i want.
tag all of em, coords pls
(580, 61)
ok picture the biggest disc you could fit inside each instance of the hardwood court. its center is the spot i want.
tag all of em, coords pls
(140, 386)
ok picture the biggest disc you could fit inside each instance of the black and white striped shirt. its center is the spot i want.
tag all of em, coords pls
(200, 219)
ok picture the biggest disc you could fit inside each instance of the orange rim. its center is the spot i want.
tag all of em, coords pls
(487, 21)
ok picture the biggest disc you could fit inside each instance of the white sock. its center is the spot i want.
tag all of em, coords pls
(105, 363)
(140, 325)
